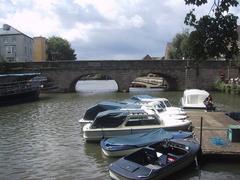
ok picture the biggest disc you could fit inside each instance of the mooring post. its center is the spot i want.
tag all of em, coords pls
(201, 124)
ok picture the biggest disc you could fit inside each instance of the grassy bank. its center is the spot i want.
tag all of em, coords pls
(227, 88)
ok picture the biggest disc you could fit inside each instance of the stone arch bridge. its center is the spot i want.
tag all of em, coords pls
(179, 74)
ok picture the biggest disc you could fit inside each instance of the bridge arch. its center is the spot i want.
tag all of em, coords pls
(88, 77)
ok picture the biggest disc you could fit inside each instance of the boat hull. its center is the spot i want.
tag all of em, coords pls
(19, 98)
(98, 134)
(124, 145)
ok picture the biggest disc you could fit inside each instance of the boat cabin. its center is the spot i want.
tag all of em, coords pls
(93, 111)
(194, 98)
(124, 118)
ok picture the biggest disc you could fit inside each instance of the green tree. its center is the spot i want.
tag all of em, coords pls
(215, 34)
(59, 49)
(180, 46)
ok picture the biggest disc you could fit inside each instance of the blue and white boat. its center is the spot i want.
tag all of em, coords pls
(157, 160)
(93, 111)
(120, 122)
(124, 145)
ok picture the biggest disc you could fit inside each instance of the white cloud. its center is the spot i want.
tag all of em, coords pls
(79, 32)
(33, 23)
(102, 28)
(133, 22)
(108, 9)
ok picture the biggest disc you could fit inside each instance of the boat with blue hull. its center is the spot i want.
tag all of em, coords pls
(124, 145)
(156, 161)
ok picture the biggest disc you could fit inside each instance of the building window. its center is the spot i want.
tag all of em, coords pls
(10, 50)
(5, 39)
(13, 38)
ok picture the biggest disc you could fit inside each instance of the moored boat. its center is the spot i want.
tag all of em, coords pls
(194, 99)
(148, 100)
(114, 123)
(124, 145)
(157, 160)
(93, 111)
(234, 115)
(18, 88)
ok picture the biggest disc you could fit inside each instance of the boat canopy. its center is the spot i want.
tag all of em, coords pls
(92, 112)
(139, 140)
(8, 78)
(113, 118)
(195, 96)
(141, 97)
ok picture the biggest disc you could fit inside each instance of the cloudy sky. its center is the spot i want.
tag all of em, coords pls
(102, 29)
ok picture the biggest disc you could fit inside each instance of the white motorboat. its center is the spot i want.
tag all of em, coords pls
(117, 122)
(194, 99)
(156, 102)
(158, 107)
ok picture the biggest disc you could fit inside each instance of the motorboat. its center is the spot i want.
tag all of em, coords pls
(194, 99)
(156, 161)
(151, 107)
(93, 111)
(119, 122)
(148, 100)
(124, 145)
(18, 88)
(163, 112)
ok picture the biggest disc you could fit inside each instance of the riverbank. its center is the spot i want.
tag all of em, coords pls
(229, 87)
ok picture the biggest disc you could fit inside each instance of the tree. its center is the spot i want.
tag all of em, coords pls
(59, 49)
(180, 46)
(214, 36)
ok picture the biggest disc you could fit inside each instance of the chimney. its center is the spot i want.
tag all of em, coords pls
(6, 27)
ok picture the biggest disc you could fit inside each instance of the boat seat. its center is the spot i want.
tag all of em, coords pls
(151, 155)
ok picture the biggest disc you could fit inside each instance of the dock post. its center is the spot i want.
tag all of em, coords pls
(201, 124)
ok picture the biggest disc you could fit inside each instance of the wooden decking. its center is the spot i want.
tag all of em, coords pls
(214, 133)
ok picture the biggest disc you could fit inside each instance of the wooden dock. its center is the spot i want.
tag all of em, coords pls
(214, 133)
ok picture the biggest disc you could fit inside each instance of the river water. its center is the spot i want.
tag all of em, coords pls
(43, 139)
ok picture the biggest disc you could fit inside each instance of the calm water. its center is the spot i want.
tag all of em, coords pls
(43, 139)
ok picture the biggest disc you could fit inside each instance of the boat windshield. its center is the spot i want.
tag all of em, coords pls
(167, 103)
(195, 99)
(162, 104)
(142, 121)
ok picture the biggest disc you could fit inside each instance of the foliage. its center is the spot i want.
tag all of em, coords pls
(180, 46)
(59, 49)
(228, 88)
(215, 35)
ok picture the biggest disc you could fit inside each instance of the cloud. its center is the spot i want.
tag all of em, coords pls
(103, 29)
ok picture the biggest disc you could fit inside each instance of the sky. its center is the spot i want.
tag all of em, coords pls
(103, 29)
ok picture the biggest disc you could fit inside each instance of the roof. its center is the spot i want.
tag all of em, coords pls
(19, 75)
(148, 57)
(195, 92)
(9, 30)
